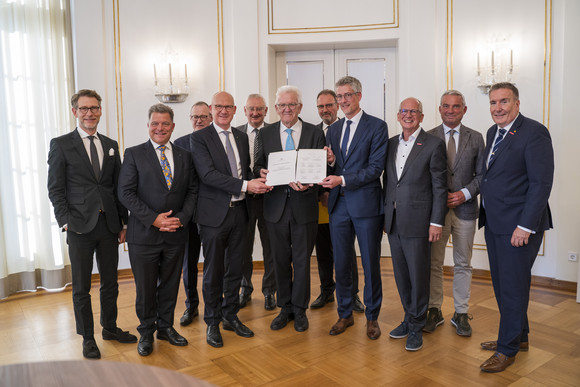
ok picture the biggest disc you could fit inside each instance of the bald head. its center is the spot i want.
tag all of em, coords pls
(222, 109)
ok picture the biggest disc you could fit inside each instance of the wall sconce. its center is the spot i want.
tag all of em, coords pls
(170, 84)
(501, 67)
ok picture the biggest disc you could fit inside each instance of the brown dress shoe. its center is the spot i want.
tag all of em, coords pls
(341, 325)
(373, 330)
(498, 362)
(492, 346)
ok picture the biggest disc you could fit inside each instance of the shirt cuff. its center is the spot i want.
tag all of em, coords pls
(435, 224)
(244, 186)
(466, 194)
(343, 184)
(526, 229)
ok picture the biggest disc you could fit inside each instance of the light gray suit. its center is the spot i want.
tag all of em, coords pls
(466, 173)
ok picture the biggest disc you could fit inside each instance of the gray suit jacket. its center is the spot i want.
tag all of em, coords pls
(468, 169)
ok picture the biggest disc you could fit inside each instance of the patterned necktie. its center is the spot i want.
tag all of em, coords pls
(94, 158)
(451, 149)
(165, 166)
(289, 140)
(498, 140)
(257, 146)
(231, 155)
(343, 147)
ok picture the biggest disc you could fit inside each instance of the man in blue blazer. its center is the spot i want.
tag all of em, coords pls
(222, 160)
(515, 189)
(158, 185)
(357, 147)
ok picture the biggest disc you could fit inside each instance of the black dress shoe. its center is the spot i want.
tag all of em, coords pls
(90, 349)
(145, 346)
(171, 335)
(300, 321)
(188, 316)
(120, 335)
(322, 300)
(245, 298)
(237, 326)
(357, 305)
(281, 320)
(269, 301)
(214, 337)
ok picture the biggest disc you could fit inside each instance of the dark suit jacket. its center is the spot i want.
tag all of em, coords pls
(304, 204)
(421, 192)
(217, 185)
(362, 168)
(74, 190)
(143, 190)
(468, 169)
(516, 184)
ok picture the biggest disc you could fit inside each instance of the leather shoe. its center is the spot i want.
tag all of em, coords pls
(373, 330)
(237, 326)
(492, 346)
(145, 346)
(357, 305)
(90, 349)
(188, 316)
(171, 335)
(245, 298)
(300, 321)
(214, 337)
(322, 300)
(120, 335)
(498, 362)
(269, 301)
(281, 320)
(341, 325)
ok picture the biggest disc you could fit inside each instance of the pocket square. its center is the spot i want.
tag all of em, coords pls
(111, 152)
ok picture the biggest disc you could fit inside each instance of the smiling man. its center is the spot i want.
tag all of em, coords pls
(158, 185)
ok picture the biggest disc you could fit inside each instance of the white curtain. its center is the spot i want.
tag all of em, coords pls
(36, 82)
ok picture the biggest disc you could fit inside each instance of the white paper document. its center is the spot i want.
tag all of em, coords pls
(308, 166)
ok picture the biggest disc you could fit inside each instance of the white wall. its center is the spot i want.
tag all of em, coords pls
(436, 42)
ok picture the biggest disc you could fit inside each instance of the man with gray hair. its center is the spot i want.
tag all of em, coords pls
(465, 151)
(290, 211)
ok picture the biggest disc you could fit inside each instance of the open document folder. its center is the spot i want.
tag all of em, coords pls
(308, 166)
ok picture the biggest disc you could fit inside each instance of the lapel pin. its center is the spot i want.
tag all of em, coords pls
(419, 144)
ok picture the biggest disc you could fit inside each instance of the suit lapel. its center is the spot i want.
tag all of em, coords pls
(507, 139)
(151, 155)
(79, 146)
(360, 132)
(464, 136)
(243, 151)
(219, 148)
(418, 146)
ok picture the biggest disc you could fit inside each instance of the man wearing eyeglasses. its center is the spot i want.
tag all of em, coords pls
(328, 111)
(291, 211)
(255, 111)
(415, 186)
(200, 118)
(222, 160)
(357, 146)
(83, 170)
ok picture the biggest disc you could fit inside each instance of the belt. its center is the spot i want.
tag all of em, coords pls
(236, 203)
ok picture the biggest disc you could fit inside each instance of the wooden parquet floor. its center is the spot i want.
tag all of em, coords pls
(40, 327)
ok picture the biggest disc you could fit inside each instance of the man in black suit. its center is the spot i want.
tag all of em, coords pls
(515, 189)
(83, 170)
(328, 110)
(256, 110)
(222, 159)
(158, 185)
(200, 118)
(291, 211)
(415, 184)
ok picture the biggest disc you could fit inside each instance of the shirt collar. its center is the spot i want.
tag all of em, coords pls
(155, 145)
(412, 137)
(446, 128)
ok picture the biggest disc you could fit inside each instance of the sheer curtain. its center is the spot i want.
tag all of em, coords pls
(35, 87)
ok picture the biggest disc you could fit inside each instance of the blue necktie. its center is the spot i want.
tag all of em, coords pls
(166, 167)
(289, 140)
(498, 140)
(343, 147)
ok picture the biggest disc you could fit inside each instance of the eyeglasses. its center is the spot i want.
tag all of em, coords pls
(203, 117)
(85, 109)
(328, 106)
(412, 112)
(283, 106)
(344, 96)
(222, 107)
(255, 108)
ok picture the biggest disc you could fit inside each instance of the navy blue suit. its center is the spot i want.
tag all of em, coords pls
(515, 189)
(357, 209)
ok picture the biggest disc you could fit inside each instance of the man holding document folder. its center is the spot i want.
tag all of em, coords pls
(291, 209)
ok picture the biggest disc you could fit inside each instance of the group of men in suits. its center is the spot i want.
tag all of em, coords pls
(214, 181)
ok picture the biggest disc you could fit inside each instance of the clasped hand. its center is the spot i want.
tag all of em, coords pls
(167, 224)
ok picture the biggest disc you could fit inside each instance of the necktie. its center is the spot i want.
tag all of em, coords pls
(231, 155)
(498, 140)
(343, 147)
(257, 145)
(95, 158)
(451, 149)
(289, 140)
(165, 167)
